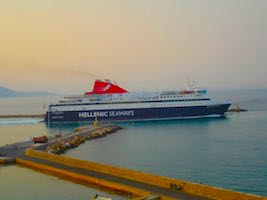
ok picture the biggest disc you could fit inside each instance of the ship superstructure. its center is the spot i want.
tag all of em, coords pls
(110, 102)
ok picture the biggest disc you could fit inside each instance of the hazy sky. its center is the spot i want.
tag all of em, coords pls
(63, 45)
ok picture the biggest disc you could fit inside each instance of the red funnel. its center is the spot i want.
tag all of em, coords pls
(106, 87)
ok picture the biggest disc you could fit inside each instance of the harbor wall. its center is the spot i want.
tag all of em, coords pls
(83, 178)
(161, 181)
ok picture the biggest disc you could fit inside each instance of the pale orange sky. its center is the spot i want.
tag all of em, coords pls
(62, 45)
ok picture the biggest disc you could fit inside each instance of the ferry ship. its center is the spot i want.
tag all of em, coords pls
(110, 102)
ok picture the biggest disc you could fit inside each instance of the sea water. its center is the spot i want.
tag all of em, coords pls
(228, 152)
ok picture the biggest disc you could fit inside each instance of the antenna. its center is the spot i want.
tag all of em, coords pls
(237, 105)
(108, 81)
(195, 86)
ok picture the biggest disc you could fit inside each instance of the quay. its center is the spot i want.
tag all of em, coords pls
(138, 185)
(22, 116)
(7, 160)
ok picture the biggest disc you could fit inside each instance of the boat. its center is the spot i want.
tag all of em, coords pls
(109, 102)
(237, 108)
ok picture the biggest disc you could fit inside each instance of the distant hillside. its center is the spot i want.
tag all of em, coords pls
(5, 92)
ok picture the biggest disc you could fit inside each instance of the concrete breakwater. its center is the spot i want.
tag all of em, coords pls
(165, 187)
(7, 160)
(22, 116)
(80, 136)
(75, 139)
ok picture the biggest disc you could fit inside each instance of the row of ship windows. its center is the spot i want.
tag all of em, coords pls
(180, 104)
(176, 96)
(141, 102)
(185, 100)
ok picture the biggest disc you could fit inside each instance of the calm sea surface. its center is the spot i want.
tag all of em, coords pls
(229, 152)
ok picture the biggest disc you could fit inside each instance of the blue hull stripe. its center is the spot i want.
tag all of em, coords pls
(136, 114)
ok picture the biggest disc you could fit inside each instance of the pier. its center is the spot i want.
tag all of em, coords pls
(22, 116)
(7, 160)
(138, 185)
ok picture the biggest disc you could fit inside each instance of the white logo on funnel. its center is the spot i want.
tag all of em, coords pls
(107, 87)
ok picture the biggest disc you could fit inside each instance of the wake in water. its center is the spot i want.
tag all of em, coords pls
(20, 121)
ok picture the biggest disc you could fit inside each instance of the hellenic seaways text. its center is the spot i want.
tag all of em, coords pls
(93, 114)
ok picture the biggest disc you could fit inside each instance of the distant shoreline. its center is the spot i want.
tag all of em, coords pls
(22, 116)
